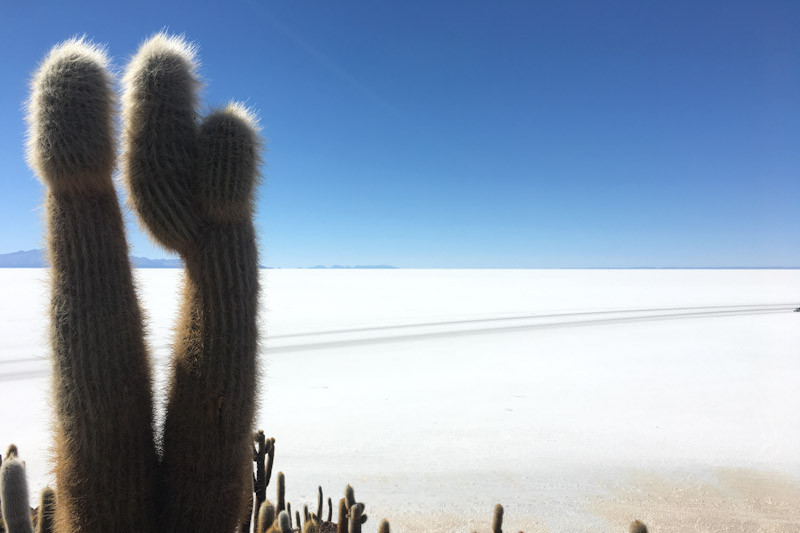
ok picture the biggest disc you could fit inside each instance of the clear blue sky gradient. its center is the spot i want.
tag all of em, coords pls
(476, 133)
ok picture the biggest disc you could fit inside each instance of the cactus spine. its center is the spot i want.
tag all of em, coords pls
(191, 182)
(105, 452)
(14, 497)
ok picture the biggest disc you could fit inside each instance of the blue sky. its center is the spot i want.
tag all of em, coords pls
(476, 134)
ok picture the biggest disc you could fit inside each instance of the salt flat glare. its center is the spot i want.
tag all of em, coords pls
(580, 399)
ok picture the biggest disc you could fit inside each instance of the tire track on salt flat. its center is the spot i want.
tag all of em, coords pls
(551, 321)
(480, 326)
(536, 315)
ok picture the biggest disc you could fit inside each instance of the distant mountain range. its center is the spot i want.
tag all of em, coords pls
(356, 266)
(38, 259)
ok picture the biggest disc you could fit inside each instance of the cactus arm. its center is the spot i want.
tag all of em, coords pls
(104, 450)
(161, 139)
(211, 404)
(201, 206)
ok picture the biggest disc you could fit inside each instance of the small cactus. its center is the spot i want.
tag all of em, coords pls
(14, 496)
(11, 451)
(349, 496)
(281, 489)
(356, 517)
(497, 519)
(266, 517)
(341, 524)
(270, 461)
(284, 522)
(47, 510)
(384, 527)
(638, 527)
(319, 502)
(263, 455)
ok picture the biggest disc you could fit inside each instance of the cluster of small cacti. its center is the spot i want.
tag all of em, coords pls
(191, 180)
(16, 515)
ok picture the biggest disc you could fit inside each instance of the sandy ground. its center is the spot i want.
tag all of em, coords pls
(579, 399)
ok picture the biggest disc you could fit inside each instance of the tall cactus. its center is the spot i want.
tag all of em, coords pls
(106, 465)
(14, 497)
(192, 183)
